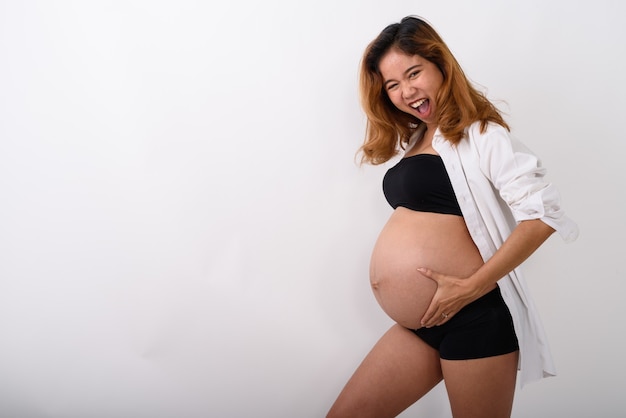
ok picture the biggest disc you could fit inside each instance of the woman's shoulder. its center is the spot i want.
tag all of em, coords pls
(495, 143)
(491, 130)
(483, 139)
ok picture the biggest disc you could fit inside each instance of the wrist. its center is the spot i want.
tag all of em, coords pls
(477, 286)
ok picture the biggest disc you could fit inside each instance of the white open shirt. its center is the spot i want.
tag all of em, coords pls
(498, 182)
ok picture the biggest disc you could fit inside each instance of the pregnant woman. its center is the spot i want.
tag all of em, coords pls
(470, 205)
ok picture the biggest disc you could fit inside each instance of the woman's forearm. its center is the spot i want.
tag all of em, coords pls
(523, 241)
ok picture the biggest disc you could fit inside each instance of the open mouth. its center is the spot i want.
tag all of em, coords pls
(421, 105)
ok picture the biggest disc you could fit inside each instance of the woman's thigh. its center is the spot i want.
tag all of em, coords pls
(481, 388)
(398, 371)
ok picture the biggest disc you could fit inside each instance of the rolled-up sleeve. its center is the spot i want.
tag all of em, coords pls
(520, 180)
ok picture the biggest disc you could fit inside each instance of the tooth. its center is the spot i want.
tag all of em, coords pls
(418, 104)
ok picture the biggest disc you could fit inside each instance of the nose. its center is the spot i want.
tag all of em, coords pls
(407, 91)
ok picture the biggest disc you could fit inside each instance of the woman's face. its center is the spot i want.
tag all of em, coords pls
(412, 83)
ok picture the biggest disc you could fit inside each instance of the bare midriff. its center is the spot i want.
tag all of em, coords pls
(411, 240)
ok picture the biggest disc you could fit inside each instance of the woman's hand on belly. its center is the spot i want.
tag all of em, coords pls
(411, 240)
(452, 294)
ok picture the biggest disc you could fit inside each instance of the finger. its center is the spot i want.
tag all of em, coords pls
(438, 320)
(433, 275)
(430, 318)
(437, 316)
(444, 318)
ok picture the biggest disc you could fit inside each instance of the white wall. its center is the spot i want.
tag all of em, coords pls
(183, 230)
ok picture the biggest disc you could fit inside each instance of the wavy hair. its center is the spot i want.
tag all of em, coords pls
(458, 103)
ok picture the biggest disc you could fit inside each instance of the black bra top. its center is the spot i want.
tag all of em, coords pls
(421, 183)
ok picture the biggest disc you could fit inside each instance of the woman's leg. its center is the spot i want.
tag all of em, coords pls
(481, 388)
(399, 370)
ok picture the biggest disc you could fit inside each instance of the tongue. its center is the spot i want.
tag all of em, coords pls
(423, 107)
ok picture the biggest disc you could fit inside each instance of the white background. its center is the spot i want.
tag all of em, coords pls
(184, 231)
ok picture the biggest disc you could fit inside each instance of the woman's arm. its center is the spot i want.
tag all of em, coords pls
(454, 293)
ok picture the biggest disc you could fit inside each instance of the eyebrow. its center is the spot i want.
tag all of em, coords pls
(408, 70)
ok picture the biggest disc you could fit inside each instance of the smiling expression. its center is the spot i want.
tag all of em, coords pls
(412, 84)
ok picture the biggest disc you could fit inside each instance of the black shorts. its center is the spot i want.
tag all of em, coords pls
(484, 328)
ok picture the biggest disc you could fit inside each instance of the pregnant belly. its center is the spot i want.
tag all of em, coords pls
(411, 240)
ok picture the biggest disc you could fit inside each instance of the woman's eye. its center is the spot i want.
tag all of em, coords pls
(391, 87)
(413, 74)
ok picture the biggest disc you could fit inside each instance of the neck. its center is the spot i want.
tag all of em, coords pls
(422, 141)
(429, 133)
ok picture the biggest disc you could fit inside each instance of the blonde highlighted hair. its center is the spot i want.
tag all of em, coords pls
(458, 103)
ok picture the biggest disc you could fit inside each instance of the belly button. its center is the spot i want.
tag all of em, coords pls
(375, 285)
